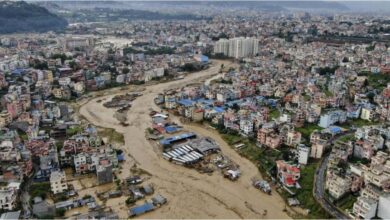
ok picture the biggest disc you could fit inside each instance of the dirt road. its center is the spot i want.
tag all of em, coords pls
(189, 193)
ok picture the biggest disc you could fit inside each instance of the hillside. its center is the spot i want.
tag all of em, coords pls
(21, 17)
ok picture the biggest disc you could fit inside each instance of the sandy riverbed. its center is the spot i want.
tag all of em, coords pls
(189, 193)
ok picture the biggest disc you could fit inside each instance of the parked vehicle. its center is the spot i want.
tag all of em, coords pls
(262, 185)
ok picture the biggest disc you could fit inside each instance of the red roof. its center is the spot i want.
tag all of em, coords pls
(289, 181)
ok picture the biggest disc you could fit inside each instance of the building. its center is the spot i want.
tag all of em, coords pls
(338, 185)
(222, 47)
(303, 154)
(365, 208)
(10, 215)
(58, 182)
(332, 117)
(383, 207)
(239, 47)
(317, 149)
(80, 163)
(197, 115)
(104, 172)
(74, 42)
(288, 174)
(367, 113)
(8, 197)
(293, 138)
(246, 126)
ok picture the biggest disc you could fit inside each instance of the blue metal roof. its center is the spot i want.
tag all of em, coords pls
(186, 102)
(169, 140)
(171, 129)
(138, 210)
(238, 102)
(205, 101)
(335, 129)
(17, 71)
(219, 109)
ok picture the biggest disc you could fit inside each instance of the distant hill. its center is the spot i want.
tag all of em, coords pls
(21, 17)
(187, 6)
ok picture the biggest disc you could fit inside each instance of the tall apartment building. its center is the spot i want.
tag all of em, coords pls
(237, 47)
(222, 46)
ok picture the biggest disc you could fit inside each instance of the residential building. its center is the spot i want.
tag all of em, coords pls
(332, 117)
(58, 182)
(365, 208)
(288, 174)
(383, 206)
(338, 185)
(303, 154)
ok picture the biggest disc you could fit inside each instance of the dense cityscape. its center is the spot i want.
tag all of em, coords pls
(202, 110)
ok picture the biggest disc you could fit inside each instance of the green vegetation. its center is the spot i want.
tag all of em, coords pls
(328, 93)
(355, 160)
(39, 189)
(60, 197)
(274, 114)
(137, 82)
(265, 159)
(305, 194)
(74, 130)
(19, 17)
(60, 212)
(87, 196)
(370, 48)
(307, 129)
(358, 123)
(40, 65)
(307, 97)
(346, 202)
(61, 56)
(378, 81)
(327, 70)
(23, 135)
(130, 201)
(150, 51)
(112, 135)
(347, 138)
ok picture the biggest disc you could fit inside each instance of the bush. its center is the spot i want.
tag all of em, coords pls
(60, 212)
(39, 189)
(87, 197)
(130, 201)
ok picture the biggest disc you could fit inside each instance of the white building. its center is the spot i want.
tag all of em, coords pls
(317, 149)
(331, 118)
(237, 47)
(222, 47)
(8, 197)
(246, 126)
(338, 185)
(365, 208)
(80, 163)
(383, 207)
(58, 182)
(367, 113)
(304, 153)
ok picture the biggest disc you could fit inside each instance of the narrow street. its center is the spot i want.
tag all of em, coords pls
(319, 184)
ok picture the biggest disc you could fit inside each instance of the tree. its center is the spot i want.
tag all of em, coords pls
(130, 201)
(125, 70)
(60, 212)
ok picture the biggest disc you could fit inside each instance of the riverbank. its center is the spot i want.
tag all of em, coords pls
(189, 193)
